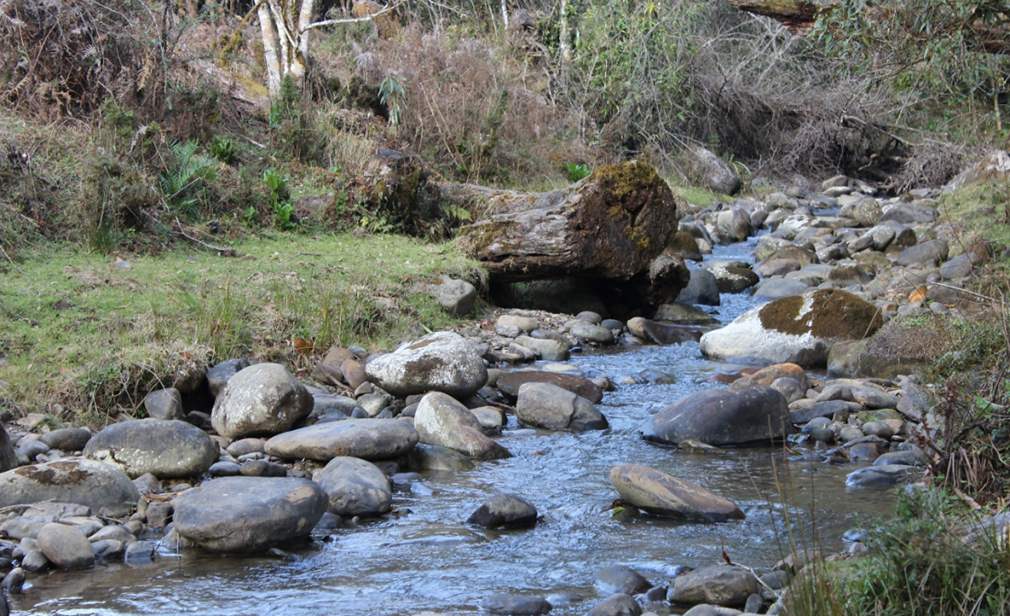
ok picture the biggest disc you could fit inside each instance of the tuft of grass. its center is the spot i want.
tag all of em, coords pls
(93, 334)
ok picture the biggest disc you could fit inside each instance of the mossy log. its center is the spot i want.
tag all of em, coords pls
(797, 15)
(608, 226)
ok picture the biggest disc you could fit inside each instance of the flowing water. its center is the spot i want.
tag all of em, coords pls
(426, 558)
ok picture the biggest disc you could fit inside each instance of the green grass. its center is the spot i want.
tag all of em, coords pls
(91, 336)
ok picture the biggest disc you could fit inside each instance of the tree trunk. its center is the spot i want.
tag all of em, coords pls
(797, 15)
(564, 52)
(269, 34)
(609, 226)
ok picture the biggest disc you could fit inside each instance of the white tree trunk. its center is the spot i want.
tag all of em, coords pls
(565, 52)
(269, 34)
(300, 62)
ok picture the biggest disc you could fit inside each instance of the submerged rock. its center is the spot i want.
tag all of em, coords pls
(662, 494)
(505, 510)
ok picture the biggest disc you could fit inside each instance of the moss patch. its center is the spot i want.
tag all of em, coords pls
(831, 313)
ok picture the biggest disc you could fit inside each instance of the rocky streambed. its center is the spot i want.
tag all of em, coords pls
(536, 462)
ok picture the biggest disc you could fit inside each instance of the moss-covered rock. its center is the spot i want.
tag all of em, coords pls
(798, 328)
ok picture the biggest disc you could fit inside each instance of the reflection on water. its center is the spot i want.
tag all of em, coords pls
(427, 559)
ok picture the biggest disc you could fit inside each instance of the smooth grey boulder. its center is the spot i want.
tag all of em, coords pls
(732, 225)
(66, 439)
(260, 399)
(164, 404)
(505, 511)
(249, 514)
(455, 296)
(724, 585)
(218, 376)
(958, 267)
(441, 420)
(662, 333)
(798, 329)
(65, 546)
(368, 439)
(718, 417)
(828, 409)
(909, 213)
(547, 406)
(926, 254)
(510, 382)
(354, 487)
(618, 604)
(72, 480)
(164, 448)
(442, 361)
(595, 334)
(8, 459)
(524, 323)
(516, 605)
(683, 314)
(618, 579)
(702, 288)
(733, 277)
(656, 492)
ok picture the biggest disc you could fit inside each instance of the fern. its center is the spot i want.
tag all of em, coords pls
(183, 185)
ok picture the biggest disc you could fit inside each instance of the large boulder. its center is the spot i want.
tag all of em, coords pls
(994, 167)
(354, 487)
(443, 421)
(165, 448)
(510, 382)
(442, 361)
(260, 399)
(608, 226)
(661, 494)
(718, 417)
(249, 514)
(456, 297)
(368, 439)
(72, 480)
(799, 329)
(547, 406)
(716, 173)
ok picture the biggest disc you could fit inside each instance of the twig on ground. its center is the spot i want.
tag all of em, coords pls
(8, 257)
(224, 251)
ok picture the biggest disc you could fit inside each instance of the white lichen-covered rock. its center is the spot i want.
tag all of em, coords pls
(260, 399)
(442, 361)
(798, 329)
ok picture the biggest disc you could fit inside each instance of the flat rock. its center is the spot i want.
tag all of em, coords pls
(510, 382)
(260, 399)
(662, 333)
(661, 494)
(164, 448)
(442, 361)
(880, 476)
(249, 514)
(66, 439)
(683, 314)
(368, 439)
(718, 417)
(74, 480)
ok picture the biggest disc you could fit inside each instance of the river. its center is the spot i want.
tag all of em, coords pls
(426, 558)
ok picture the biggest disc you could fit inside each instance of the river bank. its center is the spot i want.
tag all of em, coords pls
(550, 452)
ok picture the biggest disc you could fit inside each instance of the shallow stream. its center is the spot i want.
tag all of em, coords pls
(426, 558)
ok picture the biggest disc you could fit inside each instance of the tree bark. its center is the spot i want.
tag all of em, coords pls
(797, 15)
(269, 35)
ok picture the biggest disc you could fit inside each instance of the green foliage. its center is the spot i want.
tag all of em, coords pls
(918, 565)
(950, 51)
(393, 94)
(223, 150)
(280, 200)
(576, 171)
(184, 183)
(286, 105)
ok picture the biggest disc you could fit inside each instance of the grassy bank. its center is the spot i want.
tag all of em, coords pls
(86, 335)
